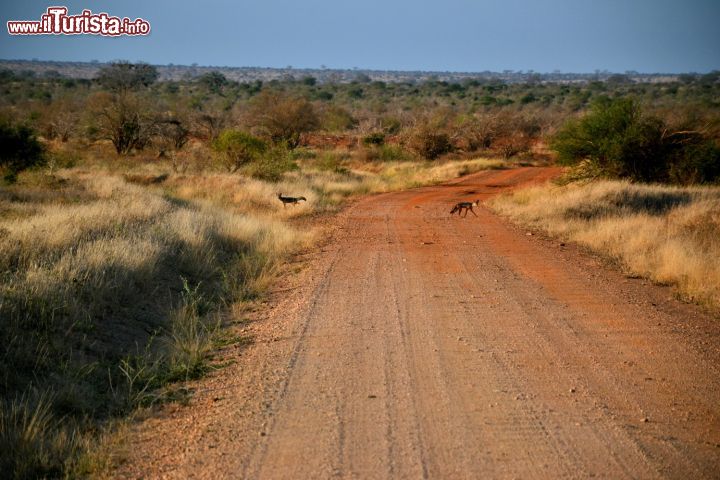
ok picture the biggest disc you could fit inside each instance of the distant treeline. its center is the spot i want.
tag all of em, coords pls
(330, 75)
(232, 122)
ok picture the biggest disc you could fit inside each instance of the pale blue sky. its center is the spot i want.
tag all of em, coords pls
(455, 35)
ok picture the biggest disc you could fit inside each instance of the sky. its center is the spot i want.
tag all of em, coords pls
(649, 36)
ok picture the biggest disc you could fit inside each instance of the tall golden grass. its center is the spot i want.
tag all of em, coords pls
(108, 291)
(325, 189)
(670, 235)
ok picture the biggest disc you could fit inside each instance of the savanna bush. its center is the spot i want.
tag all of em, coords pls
(375, 138)
(123, 118)
(429, 142)
(19, 149)
(621, 141)
(123, 76)
(338, 119)
(283, 118)
(236, 149)
(271, 166)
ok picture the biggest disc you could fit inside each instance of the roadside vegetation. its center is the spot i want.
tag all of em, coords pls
(615, 198)
(668, 234)
(617, 139)
(138, 219)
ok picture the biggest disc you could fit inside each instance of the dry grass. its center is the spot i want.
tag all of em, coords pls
(34, 443)
(108, 291)
(324, 188)
(115, 282)
(668, 234)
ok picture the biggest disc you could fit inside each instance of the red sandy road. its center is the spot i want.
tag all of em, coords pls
(432, 346)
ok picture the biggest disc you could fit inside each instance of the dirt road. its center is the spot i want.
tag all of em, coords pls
(419, 345)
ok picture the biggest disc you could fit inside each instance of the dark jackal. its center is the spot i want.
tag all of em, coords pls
(290, 200)
(467, 206)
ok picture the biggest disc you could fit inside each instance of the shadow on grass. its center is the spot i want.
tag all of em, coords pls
(630, 202)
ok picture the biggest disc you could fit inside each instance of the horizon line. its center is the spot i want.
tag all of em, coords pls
(323, 68)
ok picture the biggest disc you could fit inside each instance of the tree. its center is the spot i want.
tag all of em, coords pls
(19, 149)
(213, 81)
(237, 148)
(616, 138)
(60, 118)
(124, 76)
(687, 78)
(122, 118)
(283, 118)
(620, 141)
(429, 142)
(698, 162)
(336, 119)
(618, 79)
(121, 115)
(271, 165)
(171, 134)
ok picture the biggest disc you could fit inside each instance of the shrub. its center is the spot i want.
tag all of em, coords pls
(375, 138)
(512, 146)
(393, 153)
(356, 93)
(272, 164)
(332, 162)
(696, 163)
(60, 119)
(237, 148)
(282, 118)
(429, 143)
(391, 125)
(210, 121)
(19, 149)
(171, 134)
(122, 118)
(617, 138)
(123, 75)
(213, 81)
(470, 133)
(528, 98)
(622, 142)
(324, 95)
(337, 119)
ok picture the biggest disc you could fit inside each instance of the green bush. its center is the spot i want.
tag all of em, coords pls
(616, 138)
(237, 148)
(376, 138)
(393, 153)
(528, 98)
(338, 119)
(123, 75)
(391, 125)
(19, 149)
(622, 142)
(696, 163)
(213, 81)
(332, 162)
(272, 164)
